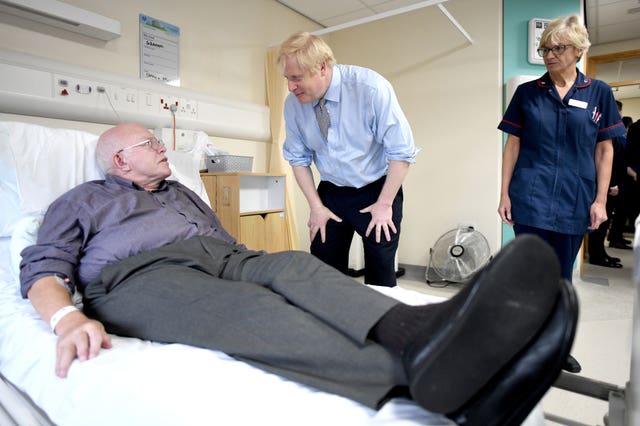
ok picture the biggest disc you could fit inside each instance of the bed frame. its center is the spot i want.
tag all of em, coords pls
(623, 402)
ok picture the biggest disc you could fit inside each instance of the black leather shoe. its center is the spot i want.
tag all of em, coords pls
(620, 245)
(613, 259)
(488, 323)
(605, 262)
(511, 395)
(572, 365)
(622, 240)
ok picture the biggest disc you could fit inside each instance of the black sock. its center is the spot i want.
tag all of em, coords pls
(399, 326)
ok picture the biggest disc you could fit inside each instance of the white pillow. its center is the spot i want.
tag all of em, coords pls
(48, 162)
(185, 168)
(38, 165)
(25, 233)
(9, 199)
(10, 206)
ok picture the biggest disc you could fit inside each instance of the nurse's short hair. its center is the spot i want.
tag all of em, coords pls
(567, 29)
(309, 50)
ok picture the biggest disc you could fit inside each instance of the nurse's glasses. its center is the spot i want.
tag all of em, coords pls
(558, 49)
(153, 143)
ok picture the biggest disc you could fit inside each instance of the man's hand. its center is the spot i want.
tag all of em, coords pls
(381, 220)
(318, 219)
(79, 337)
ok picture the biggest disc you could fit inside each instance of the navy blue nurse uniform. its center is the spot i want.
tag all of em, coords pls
(554, 179)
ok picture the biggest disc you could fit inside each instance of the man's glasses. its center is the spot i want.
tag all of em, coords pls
(557, 49)
(153, 143)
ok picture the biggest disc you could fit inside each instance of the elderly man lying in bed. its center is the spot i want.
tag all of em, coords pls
(152, 261)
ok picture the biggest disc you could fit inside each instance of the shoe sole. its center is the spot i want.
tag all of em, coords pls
(511, 395)
(502, 309)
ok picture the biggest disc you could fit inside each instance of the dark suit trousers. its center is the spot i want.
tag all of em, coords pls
(287, 313)
(346, 203)
(566, 246)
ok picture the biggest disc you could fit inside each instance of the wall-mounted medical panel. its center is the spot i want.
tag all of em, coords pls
(36, 86)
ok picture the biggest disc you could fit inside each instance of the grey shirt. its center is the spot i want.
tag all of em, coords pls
(104, 221)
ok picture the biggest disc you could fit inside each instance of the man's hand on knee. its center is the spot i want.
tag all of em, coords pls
(381, 220)
(318, 219)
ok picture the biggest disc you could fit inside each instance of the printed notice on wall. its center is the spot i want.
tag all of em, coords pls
(159, 51)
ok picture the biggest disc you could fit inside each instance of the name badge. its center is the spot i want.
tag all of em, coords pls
(577, 103)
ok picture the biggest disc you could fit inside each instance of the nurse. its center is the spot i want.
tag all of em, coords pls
(557, 160)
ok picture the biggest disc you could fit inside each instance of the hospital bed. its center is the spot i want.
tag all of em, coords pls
(136, 382)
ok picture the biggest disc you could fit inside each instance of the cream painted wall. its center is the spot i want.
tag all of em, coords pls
(222, 42)
(631, 107)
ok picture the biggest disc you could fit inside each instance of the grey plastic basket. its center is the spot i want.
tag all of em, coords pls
(229, 163)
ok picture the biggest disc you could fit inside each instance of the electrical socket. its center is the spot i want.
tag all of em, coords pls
(185, 139)
(121, 98)
(179, 106)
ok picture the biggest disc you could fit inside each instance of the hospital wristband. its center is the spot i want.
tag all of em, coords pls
(60, 313)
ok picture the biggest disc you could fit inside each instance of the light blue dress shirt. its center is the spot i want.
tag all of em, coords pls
(368, 129)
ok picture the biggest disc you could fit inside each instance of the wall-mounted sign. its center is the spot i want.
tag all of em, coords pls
(159, 51)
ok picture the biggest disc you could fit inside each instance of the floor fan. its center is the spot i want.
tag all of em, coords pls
(456, 255)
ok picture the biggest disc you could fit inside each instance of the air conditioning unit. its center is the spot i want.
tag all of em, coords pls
(62, 15)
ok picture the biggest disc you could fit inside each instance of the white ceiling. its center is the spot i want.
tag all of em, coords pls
(608, 20)
(612, 20)
(328, 13)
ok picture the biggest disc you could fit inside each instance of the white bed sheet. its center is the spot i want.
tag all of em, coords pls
(144, 383)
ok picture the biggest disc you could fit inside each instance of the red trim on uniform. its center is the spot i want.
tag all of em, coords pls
(541, 83)
(587, 83)
(512, 123)
(619, 123)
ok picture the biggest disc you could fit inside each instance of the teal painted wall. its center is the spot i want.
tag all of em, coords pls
(515, 25)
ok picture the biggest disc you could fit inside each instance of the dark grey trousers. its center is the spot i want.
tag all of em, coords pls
(287, 313)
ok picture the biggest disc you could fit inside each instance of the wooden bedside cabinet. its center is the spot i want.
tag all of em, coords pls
(251, 207)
